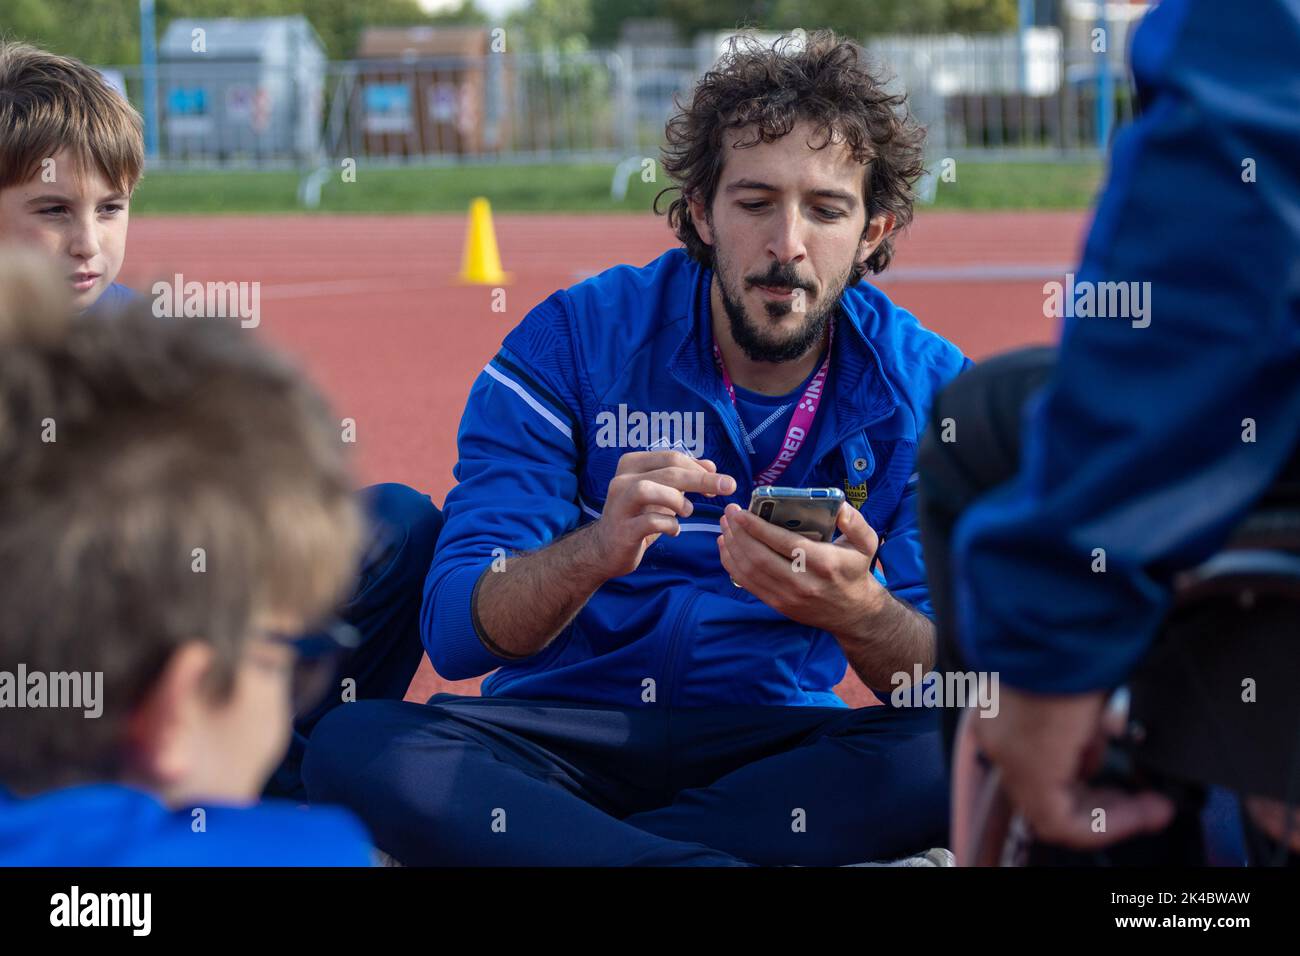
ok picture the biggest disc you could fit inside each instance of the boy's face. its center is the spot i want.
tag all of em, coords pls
(247, 733)
(78, 218)
(191, 746)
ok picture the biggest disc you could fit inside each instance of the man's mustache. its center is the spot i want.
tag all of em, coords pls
(784, 278)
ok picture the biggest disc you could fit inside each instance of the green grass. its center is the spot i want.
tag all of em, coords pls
(1065, 185)
(555, 188)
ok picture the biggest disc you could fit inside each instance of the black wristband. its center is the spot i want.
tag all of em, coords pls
(486, 641)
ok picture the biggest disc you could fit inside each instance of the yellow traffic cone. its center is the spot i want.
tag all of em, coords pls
(481, 264)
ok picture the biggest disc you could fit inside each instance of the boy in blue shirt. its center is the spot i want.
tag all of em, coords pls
(175, 512)
(71, 155)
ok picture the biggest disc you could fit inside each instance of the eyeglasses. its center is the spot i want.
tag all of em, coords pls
(316, 658)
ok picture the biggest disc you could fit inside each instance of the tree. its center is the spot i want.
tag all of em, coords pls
(338, 22)
(551, 25)
(981, 16)
(853, 18)
(112, 35)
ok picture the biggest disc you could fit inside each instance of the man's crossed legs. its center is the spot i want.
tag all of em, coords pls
(464, 781)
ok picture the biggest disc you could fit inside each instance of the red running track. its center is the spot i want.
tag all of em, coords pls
(370, 305)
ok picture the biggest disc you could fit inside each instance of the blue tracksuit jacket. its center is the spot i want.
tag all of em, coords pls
(115, 297)
(1151, 443)
(108, 824)
(532, 466)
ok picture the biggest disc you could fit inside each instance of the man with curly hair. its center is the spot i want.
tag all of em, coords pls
(664, 662)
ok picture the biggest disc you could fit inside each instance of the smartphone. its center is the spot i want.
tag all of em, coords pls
(810, 512)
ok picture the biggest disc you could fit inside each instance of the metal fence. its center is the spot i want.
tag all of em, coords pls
(979, 97)
(453, 109)
(1008, 96)
(1001, 96)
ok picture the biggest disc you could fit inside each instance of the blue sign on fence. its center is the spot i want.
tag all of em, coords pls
(388, 108)
(187, 101)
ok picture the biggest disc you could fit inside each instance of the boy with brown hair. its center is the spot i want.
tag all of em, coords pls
(176, 519)
(71, 154)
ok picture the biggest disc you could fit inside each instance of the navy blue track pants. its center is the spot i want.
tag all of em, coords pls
(468, 781)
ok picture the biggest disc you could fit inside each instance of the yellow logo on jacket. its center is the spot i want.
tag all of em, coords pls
(857, 494)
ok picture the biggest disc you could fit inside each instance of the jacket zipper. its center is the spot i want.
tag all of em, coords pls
(672, 664)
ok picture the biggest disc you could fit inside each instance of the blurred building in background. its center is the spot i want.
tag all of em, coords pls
(260, 92)
(424, 91)
(241, 91)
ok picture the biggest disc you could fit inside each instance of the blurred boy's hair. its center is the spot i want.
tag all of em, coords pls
(125, 444)
(34, 301)
(50, 103)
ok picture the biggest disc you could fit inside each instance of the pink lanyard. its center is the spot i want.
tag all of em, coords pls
(801, 420)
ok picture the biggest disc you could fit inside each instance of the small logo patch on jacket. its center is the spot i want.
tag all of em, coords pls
(857, 494)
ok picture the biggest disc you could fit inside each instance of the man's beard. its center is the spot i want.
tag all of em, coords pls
(756, 346)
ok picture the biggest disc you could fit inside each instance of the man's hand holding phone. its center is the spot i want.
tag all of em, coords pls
(820, 584)
(646, 496)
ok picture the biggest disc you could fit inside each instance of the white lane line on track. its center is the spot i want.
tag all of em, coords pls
(309, 290)
(977, 272)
